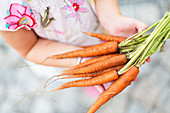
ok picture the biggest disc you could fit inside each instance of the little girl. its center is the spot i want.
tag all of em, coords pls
(37, 29)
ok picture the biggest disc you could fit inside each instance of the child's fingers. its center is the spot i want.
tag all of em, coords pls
(134, 80)
(148, 60)
(100, 88)
(142, 27)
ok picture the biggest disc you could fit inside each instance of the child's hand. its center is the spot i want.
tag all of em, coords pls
(122, 26)
(119, 25)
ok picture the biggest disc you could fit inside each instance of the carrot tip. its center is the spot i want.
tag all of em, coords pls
(51, 57)
(85, 33)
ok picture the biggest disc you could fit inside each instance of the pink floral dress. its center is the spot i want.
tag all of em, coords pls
(60, 20)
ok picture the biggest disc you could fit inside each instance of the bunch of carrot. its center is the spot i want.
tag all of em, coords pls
(116, 60)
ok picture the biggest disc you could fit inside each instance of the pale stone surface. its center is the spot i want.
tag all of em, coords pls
(137, 108)
(149, 94)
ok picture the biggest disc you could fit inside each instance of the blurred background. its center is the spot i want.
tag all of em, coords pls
(149, 94)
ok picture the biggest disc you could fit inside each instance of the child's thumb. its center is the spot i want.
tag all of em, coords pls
(142, 27)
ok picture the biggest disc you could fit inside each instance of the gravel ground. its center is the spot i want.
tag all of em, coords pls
(149, 94)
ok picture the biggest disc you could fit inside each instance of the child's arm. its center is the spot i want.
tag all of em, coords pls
(112, 20)
(107, 8)
(114, 23)
(37, 49)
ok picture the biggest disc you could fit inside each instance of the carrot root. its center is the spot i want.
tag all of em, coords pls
(99, 66)
(115, 88)
(104, 78)
(94, 60)
(116, 68)
(106, 37)
(96, 50)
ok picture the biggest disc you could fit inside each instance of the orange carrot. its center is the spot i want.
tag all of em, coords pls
(93, 60)
(115, 88)
(98, 66)
(106, 37)
(104, 78)
(83, 75)
(86, 46)
(96, 50)
(116, 68)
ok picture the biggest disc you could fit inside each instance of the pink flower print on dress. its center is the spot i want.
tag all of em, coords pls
(20, 16)
(76, 8)
(59, 32)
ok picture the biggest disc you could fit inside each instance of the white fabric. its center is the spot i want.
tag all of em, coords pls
(65, 28)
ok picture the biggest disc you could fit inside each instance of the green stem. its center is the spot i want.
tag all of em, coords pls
(133, 45)
(151, 49)
(139, 40)
(129, 48)
(128, 40)
(135, 56)
(129, 64)
(158, 29)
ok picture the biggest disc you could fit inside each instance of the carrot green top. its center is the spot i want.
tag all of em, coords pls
(138, 48)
